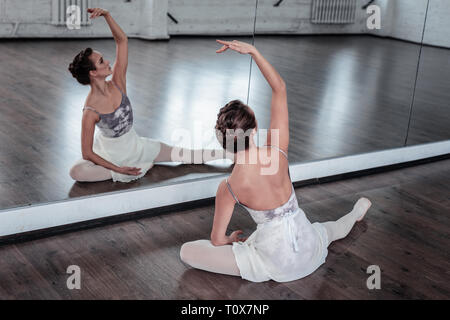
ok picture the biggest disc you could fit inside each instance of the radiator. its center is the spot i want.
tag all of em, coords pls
(59, 11)
(333, 11)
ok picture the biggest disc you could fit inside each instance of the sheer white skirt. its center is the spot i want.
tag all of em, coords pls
(128, 150)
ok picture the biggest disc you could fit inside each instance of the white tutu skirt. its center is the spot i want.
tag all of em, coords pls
(268, 255)
(128, 150)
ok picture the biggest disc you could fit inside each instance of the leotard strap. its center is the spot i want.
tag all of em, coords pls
(92, 109)
(273, 146)
(117, 87)
(284, 154)
(231, 191)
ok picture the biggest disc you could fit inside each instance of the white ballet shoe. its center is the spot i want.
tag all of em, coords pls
(362, 205)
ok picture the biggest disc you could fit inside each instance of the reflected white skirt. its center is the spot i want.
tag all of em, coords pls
(128, 150)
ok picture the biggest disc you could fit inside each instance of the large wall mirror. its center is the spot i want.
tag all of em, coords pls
(175, 82)
(350, 84)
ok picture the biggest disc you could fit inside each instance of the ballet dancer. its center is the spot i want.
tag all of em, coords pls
(285, 245)
(117, 153)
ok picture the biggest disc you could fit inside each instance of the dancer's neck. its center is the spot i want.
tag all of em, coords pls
(99, 87)
(243, 157)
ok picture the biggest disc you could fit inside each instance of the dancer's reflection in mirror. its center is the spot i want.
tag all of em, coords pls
(117, 152)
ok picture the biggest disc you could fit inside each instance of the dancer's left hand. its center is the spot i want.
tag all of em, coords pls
(234, 236)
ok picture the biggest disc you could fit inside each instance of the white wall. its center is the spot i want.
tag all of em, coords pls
(211, 17)
(409, 18)
(294, 17)
(401, 19)
(148, 18)
(404, 19)
(32, 18)
(437, 31)
(237, 17)
(387, 17)
(152, 19)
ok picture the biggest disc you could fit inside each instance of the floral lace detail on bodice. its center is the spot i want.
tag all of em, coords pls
(284, 214)
(118, 122)
(288, 209)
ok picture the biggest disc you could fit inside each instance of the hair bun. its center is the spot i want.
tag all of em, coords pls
(234, 121)
(81, 65)
(72, 68)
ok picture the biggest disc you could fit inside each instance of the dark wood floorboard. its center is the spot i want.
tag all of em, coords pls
(356, 99)
(406, 233)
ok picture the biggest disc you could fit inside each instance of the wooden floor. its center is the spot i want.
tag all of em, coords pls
(406, 233)
(347, 95)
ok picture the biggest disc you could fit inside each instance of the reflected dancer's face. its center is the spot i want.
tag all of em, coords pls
(102, 66)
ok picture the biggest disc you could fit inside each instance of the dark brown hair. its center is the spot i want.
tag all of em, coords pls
(235, 122)
(81, 66)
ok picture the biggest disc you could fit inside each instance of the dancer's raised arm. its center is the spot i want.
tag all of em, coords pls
(279, 119)
(121, 39)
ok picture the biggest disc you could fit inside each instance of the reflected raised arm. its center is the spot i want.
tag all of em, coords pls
(121, 39)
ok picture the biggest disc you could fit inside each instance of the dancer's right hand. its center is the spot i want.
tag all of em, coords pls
(131, 171)
(97, 12)
(238, 46)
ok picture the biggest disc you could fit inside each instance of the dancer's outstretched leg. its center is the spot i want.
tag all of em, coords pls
(340, 229)
(189, 156)
(202, 254)
(87, 171)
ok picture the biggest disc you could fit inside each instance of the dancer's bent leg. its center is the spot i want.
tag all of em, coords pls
(341, 228)
(189, 156)
(202, 254)
(87, 171)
